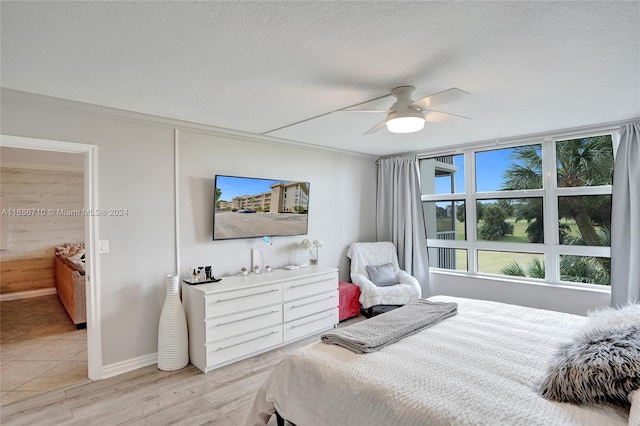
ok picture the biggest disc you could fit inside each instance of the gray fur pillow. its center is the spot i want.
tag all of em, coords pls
(599, 365)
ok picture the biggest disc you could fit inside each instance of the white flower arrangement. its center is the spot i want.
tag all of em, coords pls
(308, 244)
(312, 246)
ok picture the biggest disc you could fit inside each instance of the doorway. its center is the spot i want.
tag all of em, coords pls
(89, 155)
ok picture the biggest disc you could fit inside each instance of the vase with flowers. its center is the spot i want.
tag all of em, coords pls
(312, 246)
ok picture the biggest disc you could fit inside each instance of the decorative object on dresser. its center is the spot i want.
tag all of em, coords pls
(68, 268)
(312, 246)
(199, 278)
(246, 315)
(173, 338)
(200, 275)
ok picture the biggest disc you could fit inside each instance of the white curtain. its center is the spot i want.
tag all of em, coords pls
(400, 216)
(625, 218)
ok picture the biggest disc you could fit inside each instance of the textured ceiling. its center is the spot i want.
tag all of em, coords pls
(257, 66)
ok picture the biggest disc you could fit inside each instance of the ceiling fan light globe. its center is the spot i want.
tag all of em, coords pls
(405, 124)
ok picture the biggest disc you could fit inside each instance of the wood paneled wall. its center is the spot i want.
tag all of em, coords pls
(27, 264)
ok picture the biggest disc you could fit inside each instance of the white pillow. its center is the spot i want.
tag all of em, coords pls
(609, 318)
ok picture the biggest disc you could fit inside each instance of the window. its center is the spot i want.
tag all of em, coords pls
(538, 210)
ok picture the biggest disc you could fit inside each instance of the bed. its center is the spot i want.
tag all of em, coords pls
(483, 366)
(70, 282)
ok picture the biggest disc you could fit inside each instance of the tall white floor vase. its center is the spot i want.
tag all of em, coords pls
(173, 337)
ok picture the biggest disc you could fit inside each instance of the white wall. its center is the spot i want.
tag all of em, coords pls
(135, 161)
(341, 201)
(135, 171)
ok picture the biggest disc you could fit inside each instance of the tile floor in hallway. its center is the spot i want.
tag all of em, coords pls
(40, 348)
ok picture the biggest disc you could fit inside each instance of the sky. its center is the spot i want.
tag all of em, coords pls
(490, 167)
(232, 186)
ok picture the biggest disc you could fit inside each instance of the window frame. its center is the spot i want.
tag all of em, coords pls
(551, 249)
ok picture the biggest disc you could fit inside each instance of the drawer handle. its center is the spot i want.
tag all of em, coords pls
(221, 348)
(248, 295)
(310, 322)
(311, 303)
(306, 284)
(246, 318)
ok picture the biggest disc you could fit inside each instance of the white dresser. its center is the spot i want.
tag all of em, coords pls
(242, 316)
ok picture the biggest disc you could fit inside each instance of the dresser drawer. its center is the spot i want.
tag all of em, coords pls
(219, 328)
(230, 302)
(241, 346)
(310, 305)
(310, 286)
(310, 325)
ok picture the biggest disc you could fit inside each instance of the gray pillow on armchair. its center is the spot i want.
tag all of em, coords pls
(382, 275)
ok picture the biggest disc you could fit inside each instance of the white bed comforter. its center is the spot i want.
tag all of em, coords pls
(480, 367)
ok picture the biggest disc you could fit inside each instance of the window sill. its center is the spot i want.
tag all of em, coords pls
(593, 288)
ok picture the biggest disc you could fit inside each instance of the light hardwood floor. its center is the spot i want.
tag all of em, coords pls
(148, 396)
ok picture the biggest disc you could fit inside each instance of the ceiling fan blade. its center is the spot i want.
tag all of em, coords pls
(327, 113)
(442, 117)
(439, 98)
(376, 111)
(376, 128)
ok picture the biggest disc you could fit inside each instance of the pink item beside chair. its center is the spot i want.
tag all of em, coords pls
(349, 305)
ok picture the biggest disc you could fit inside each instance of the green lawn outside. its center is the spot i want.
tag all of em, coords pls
(519, 229)
(493, 262)
(461, 260)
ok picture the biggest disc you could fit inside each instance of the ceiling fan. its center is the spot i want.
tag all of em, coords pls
(407, 115)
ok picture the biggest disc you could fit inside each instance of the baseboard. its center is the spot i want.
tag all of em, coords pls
(27, 294)
(122, 367)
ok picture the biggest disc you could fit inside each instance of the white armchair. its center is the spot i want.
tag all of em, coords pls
(402, 291)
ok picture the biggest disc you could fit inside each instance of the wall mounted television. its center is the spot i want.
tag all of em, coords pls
(247, 207)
